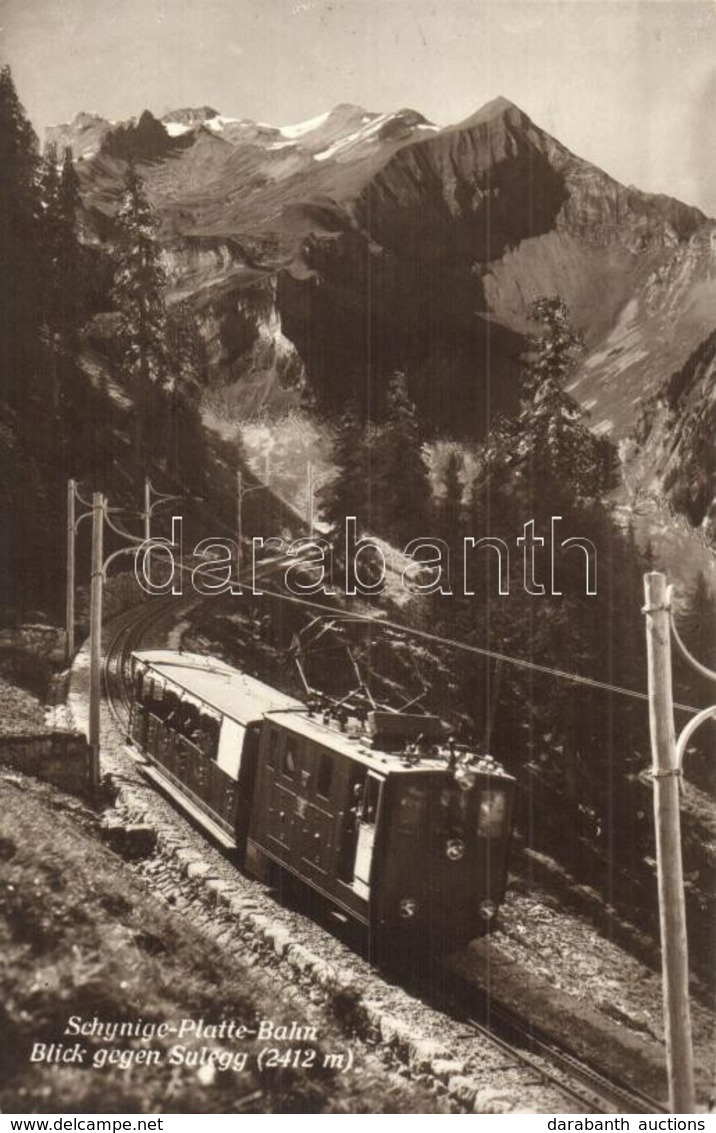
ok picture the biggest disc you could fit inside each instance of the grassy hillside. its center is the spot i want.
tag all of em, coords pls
(81, 935)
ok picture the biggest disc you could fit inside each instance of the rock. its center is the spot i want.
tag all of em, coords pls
(394, 1032)
(133, 843)
(196, 869)
(423, 1052)
(300, 957)
(490, 1100)
(217, 888)
(446, 1068)
(280, 939)
(463, 1090)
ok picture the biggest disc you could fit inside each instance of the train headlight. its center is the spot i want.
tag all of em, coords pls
(407, 908)
(455, 849)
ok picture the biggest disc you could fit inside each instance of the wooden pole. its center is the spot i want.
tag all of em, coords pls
(309, 474)
(672, 913)
(95, 634)
(70, 581)
(147, 516)
(239, 521)
(147, 512)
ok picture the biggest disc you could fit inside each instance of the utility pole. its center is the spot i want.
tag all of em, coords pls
(309, 477)
(147, 513)
(70, 581)
(239, 520)
(97, 574)
(147, 516)
(100, 515)
(242, 491)
(672, 913)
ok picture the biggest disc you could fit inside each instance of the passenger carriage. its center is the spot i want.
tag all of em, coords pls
(398, 829)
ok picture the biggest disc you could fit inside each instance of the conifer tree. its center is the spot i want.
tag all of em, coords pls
(63, 306)
(400, 476)
(73, 307)
(347, 494)
(139, 297)
(20, 260)
(557, 453)
(450, 508)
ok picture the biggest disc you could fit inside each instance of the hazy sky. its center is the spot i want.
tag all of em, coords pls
(628, 84)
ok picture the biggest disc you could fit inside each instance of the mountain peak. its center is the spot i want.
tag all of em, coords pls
(499, 107)
(345, 109)
(191, 115)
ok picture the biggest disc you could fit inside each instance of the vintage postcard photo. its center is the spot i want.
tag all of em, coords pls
(357, 572)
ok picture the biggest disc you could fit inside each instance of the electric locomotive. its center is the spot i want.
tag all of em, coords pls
(398, 828)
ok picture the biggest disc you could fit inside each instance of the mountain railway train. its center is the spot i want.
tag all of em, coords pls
(398, 828)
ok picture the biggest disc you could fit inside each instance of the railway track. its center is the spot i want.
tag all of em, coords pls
(553, 1065)
(582, 1083)
(127, 636)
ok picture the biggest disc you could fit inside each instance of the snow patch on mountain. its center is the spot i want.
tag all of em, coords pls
(301, 128)
(369, 131)
(218, 123)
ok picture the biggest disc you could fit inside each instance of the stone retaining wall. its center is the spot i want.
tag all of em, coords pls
(61, 758)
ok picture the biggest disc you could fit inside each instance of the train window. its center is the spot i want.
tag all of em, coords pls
(273, 738)
(325, 775)
(208, 736)
(454, 811)
(147, 691)
(371, 796)
(289, 762)
(491, 816)
(412, 808)
(172, 704)
(154, 696)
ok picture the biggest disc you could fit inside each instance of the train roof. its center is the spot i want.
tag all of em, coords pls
(218, 685)
(246, 699)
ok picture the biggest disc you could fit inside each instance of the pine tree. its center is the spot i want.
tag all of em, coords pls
(557, 454)
(347, 494)
(63, 303)
(73, 307)
(20, 259)
(140, 280)
(185, 345)
(400, 476)
(450, 509)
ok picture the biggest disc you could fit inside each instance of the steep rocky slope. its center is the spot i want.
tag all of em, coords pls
(674, 451)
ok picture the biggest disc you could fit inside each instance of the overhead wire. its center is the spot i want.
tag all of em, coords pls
(481, 651)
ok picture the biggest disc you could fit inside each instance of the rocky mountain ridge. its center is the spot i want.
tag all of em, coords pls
(322, 256)
(674, 450)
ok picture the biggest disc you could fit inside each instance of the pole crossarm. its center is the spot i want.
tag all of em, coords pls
(85, 515)
(160, 495)
(120, 532)
(252, 488)
(115, 555)
(702, 669)
(79, 496)
(688, 731)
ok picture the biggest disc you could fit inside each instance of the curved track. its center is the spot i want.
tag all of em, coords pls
(516, 1037)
